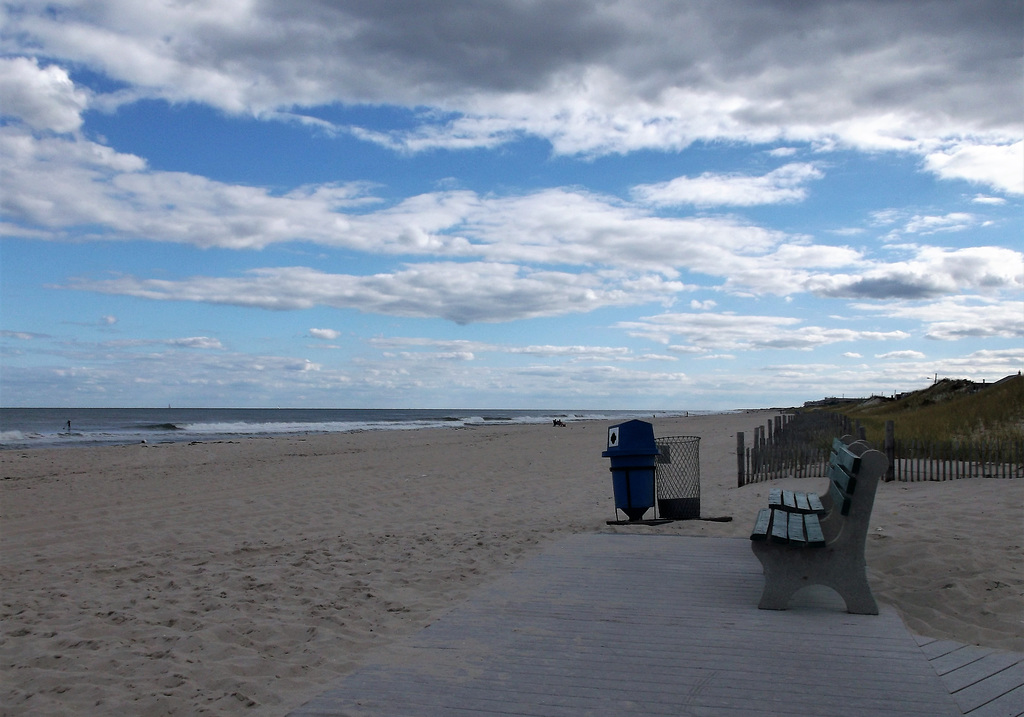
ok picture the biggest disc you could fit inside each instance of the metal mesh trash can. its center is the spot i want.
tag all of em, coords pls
(677, 475)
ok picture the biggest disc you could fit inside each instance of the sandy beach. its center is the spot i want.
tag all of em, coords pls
(242, 577)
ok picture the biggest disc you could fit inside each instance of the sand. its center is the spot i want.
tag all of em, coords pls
(243, 577)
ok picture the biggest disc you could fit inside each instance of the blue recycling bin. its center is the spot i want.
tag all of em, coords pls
(633, 453)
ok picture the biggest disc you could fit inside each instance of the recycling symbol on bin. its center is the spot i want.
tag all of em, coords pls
(613, 437)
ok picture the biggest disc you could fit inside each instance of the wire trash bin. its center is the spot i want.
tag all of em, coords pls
(677, 476)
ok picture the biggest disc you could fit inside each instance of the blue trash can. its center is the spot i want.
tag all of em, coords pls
(633, 453)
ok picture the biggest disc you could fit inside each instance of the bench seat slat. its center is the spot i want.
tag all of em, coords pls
(796, 529)
(780, 526)
(789, 500)
(802, 504)
(815, 503)
(764, 518)
(815, 538)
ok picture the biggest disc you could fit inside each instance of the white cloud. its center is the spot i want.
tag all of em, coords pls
(901, 355)
(439, 355)
(66, 185)
(579, 353)
(589, 77)
(62, 185)
(44, 98)
(959, 317)
(463, 293)
(952, 222)
(190, 342)
(931, 273)
(732, 332)
(22, 335)
(71, 185)
(79, 188)
(984, 199)
(847, 231)
(996, 165)
(476, 291)
(327, 334)
(450, 346)
(880, 377)
(782, 185)
(197, 342)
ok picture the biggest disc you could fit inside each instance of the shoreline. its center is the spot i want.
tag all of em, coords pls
(243, 576)
(34, 428)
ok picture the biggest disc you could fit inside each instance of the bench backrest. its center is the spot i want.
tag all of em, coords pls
(854, 473)
(843, 468)
(843, 456)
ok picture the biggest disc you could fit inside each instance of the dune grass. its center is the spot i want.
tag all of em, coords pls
(950, 411)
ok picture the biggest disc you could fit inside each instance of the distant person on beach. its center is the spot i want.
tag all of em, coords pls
(69, 426)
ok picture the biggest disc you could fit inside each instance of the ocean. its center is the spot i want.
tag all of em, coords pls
(50, 427)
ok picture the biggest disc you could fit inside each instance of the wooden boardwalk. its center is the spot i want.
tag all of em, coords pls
(984, 682)
(614, 624)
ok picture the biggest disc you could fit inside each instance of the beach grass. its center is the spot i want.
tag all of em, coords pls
(950, 409)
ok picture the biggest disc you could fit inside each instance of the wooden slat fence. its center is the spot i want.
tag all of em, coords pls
(914, 460)
(798, 445)
(790, 444)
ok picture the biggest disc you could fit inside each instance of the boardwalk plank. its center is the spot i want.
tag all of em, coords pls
(978, 670)
(1009, 705)
(608, 624)
(992, 687)
(938, 648)
(961, 657)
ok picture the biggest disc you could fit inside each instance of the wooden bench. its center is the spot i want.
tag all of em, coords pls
(802, 539)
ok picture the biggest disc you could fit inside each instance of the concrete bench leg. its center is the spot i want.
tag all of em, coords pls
(788, 569)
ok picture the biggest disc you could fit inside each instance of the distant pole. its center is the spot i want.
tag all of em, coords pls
(890, 450)
(739, 459)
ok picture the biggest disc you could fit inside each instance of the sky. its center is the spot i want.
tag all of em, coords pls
(507, 203)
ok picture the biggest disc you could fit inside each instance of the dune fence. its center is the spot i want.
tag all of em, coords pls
(798, 445)
(916, 460)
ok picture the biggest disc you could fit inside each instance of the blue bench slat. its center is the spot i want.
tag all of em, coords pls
(760, 532)
(795, 501)
(815, 502)
(844, 480)
(815, 538)
(789, 500)
(840, 500)
(796, 529)
(843, 456)
(802, 503)
(780, 526)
